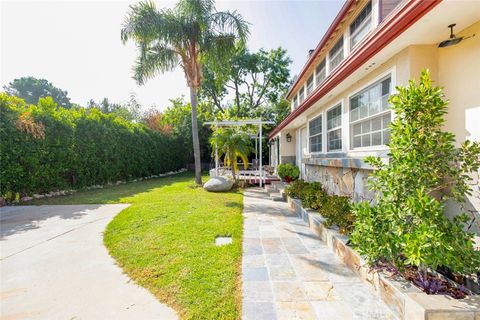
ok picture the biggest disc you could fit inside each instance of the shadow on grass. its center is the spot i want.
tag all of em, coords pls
(231, 204)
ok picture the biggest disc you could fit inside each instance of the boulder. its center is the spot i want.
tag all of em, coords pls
(218, 184)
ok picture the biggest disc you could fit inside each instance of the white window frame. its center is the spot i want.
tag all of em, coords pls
(295, 102)
(369, 20)
(302, 90)
(392, 73)
(330, 69)
(376, 13)
(317, 83)
(307, 93)
(320, 114)
(341, 127)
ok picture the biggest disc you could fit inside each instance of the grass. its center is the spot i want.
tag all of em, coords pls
(165, 242)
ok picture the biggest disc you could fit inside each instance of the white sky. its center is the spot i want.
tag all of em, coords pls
(76, 44)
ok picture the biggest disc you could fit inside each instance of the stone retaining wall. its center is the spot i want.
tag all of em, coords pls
(405, 300)
(348, 177)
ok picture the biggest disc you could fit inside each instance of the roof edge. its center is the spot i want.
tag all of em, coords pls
(382, 36)
(333, 26)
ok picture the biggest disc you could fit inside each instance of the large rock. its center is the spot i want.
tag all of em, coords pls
(218, 184)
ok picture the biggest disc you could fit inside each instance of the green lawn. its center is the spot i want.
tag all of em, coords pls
(165, 242)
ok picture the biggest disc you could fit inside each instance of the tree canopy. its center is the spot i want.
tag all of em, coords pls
(32, 89)
(257, 81)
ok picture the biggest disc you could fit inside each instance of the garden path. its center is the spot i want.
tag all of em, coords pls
(289, 273)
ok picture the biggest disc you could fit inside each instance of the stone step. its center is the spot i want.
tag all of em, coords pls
(270, 189)
(279, 185)
(277, 197)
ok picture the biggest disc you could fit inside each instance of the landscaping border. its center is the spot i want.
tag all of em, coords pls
(67, 192)
(404, 299)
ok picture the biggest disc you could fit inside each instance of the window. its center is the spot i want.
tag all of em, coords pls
(295, 102)
(387, 6)
(336, 54)
(315, 134)
(301, 96)
(321, 72)
(309, 85)
(361, 25)
(370, 115)
(334, 128)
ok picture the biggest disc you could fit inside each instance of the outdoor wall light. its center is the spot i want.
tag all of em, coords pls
(453, 40)
(289, 137)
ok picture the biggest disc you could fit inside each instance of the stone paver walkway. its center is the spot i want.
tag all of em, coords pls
(289, 273)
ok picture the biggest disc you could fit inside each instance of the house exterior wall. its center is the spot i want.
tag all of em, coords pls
(400, 44)
(459, 74)
(345, 173)
(287, 149)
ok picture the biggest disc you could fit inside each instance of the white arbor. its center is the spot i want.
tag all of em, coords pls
(258, 140)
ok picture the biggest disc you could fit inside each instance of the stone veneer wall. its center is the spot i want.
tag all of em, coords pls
(348, 177)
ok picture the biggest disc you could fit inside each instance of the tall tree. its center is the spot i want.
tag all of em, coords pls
(254, 80)
(187, 35)
(32, 89)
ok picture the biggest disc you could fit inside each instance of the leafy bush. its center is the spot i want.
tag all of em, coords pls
(313, 196)
(408, 225)
(45, 147)
(335, 209)
(288, 172)
(294, 190)
(338, 210)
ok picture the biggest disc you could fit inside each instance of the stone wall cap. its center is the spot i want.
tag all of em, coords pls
(445, 303)
(341, 162)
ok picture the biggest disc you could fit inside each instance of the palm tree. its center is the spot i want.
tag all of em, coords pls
(232, 144)
(187, 35)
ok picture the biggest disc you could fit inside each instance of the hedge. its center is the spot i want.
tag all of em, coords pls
(45, 148)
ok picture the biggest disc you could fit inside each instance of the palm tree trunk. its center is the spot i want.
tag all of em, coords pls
(196, 143)
(233, 167)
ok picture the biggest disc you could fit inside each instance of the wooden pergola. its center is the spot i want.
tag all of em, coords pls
(258, 137)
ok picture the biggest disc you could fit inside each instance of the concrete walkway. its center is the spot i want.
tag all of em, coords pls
(54, 266)
(289, 273)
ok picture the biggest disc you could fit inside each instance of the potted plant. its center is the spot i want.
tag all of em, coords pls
(288, 172)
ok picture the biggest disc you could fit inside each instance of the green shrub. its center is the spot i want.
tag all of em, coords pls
(313, 196)
(338, 210)
(294, 190)
(408, 225)
(288, 172)
(46, 148)
(335, 209)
